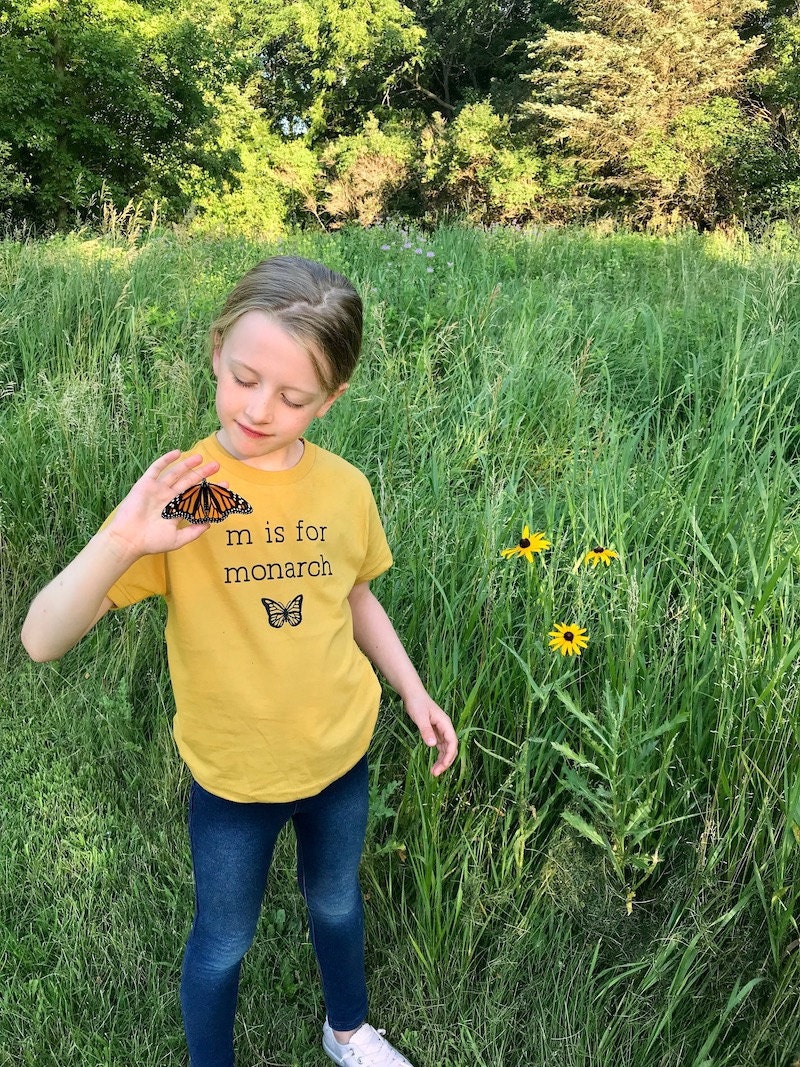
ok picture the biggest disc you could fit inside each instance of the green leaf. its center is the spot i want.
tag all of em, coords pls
(574, 757)
(585, 829)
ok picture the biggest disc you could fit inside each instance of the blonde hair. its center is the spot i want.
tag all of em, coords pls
(320, 309)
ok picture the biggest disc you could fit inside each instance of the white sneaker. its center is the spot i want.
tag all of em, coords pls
(367, 1047)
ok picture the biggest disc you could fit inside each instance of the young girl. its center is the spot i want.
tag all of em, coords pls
(270, 626)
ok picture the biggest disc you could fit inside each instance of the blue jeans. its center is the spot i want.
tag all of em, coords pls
(232, 845)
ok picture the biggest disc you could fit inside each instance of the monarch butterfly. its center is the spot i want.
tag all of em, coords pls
(278, 614)
(206, 502)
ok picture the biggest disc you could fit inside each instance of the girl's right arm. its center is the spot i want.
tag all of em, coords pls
(67, 608)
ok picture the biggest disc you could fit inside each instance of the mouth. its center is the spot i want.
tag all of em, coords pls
(254, 435)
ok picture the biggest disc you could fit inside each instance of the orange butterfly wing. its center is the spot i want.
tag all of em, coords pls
(206, 502)
(184, 505)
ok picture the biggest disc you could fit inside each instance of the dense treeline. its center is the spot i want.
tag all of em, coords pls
(261, 112)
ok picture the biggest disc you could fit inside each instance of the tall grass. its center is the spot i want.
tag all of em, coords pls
(608, 875)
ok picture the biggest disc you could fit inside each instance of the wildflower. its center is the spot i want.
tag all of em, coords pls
(430, 270)
(599, 553)
(417, 251)
(430, 255)
(407, 244)
(385, 248)
(449, 263)
(528, 545)
(568, 639)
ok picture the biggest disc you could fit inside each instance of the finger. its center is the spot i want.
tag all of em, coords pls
(184, 466)
(189, 472)
(190, 533)
(447, 753)
(170, 467)
(440, 766)
(437, 730)
(158, 466)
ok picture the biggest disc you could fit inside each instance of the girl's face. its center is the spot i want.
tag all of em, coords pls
(268, 393)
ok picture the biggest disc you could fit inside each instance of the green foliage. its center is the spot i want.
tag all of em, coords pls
(13, 184)
(97, 96)
(771, 172)
(254, 114)
(369, 176)
(271, 180)
(633, 98)
(477, 167)
(778, 75)
(706, 162)
(474, 49)
(324, 64)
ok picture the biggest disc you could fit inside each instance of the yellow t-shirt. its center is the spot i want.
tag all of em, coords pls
(274, 699)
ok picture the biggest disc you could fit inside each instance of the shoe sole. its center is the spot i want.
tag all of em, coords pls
(331, 1054)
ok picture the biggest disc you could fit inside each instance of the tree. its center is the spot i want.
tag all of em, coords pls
(323, 65)
(478, 166)
(99, 97)
(777, 79)
(636, 97)
(475, 48)
(773, 174)
(272, 180)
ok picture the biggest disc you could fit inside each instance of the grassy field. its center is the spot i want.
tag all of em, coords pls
(608, 876)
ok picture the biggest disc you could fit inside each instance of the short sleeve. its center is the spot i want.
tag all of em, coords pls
(378, 556)
(145, 578)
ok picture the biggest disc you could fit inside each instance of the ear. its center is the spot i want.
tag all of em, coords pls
(334, 396)
(215, 354)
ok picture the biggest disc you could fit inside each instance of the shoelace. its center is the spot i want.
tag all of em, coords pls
(370, 1049)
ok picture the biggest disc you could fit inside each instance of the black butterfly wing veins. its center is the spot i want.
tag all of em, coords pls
(279, 614)
(206, 502)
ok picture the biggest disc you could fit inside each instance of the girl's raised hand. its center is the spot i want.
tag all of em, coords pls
(138, 526)
(77, 597)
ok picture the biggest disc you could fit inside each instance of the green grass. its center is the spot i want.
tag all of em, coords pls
(623, 390)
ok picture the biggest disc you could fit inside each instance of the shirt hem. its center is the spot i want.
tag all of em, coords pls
(239, 798)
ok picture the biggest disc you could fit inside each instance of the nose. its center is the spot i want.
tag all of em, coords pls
(260, 408)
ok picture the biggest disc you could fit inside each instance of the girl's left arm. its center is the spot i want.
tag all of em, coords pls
(378, 640)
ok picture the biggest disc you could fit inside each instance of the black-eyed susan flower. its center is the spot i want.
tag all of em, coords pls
(598, 554)
(529, 544)
(568, 640)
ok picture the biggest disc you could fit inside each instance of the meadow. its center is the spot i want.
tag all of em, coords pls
(607, 877)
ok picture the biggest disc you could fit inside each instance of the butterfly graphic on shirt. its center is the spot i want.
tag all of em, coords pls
(278, 613)
(206, 502)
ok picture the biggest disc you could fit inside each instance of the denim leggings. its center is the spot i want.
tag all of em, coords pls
(232, 845)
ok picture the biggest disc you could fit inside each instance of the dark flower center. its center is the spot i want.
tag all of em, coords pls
(524, 543)
(569, 635)
(598, 550)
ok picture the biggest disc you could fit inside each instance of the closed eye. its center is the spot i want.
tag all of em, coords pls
(249, 385)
